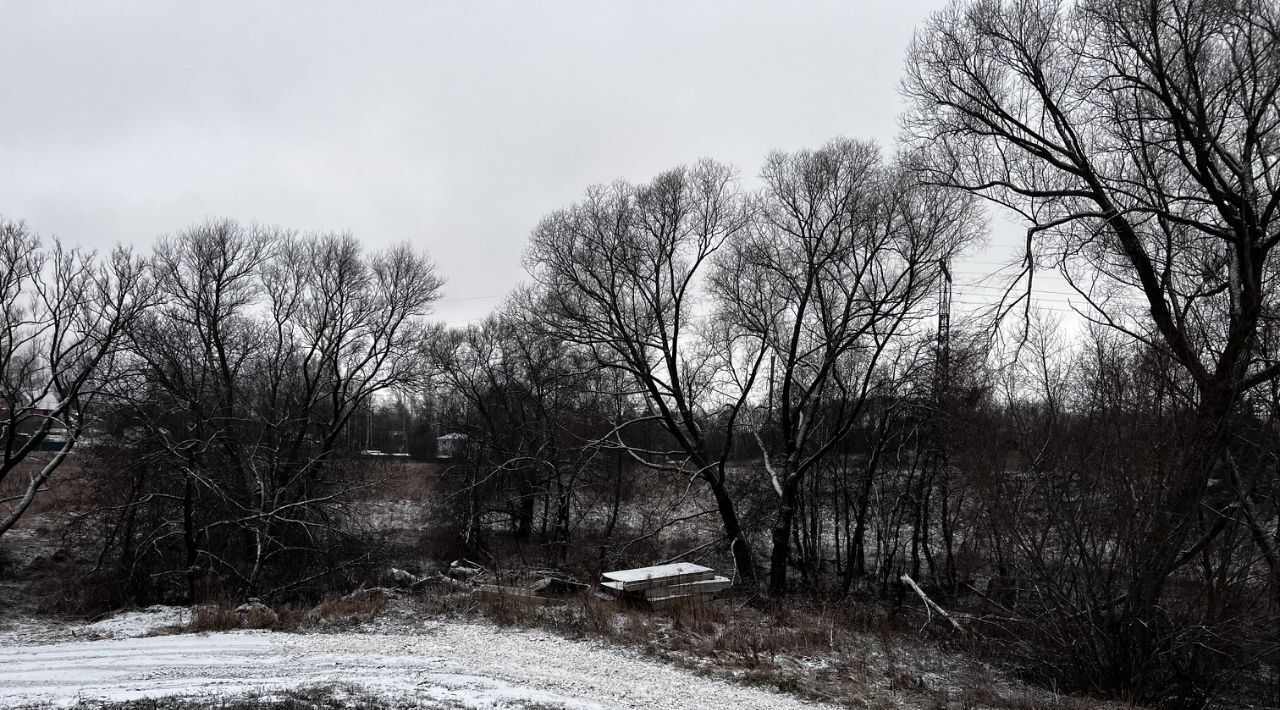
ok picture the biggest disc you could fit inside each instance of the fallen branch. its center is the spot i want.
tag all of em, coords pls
(929, 605)
(439, 577)
(405, 579)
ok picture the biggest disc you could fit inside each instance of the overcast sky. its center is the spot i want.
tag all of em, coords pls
(451, 125)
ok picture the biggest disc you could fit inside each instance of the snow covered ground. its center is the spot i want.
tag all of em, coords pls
(436, 664)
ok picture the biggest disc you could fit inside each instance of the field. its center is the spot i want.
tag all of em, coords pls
(409, 663)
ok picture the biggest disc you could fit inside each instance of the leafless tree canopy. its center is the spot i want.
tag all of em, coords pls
(831, 281)
(780, 311)
(64, 313)
(1138, 139)
(621, 273)
(236, 391)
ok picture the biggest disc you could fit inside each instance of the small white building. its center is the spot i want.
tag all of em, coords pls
(451, 446)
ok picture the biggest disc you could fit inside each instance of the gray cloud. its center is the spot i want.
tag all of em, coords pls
(454, 126)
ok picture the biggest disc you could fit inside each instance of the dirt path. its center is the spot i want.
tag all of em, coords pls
(446, 665)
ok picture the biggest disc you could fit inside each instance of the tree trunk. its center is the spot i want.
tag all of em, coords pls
(189, 538)
(34, 486)
(525, 509)
(781, 554)
(743, 560)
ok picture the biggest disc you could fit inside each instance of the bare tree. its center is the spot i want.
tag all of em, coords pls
(62, 316)
(1138, 140)
(536, 415)
(265, 346)
(840, 261)
(621, 273)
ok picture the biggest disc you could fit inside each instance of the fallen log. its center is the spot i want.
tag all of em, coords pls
(929, 605)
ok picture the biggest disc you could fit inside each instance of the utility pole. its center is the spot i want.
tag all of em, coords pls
(938, 444)
(942, 371)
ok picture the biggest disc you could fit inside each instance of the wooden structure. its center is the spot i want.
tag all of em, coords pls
(514, 595)
(665, 585)
(548, 590)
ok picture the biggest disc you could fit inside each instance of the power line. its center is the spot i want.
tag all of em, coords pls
(471, 298)
(1048, 293)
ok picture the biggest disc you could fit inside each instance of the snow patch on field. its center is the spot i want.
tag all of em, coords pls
(439, 665)
(130, 624)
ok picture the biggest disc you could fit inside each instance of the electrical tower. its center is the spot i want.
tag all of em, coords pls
(942, 367)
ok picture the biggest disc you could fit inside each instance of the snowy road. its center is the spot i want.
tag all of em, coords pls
(445, 665)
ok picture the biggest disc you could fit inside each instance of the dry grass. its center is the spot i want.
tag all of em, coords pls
(330, 614)
(847, 654)
(65, 490)
(395, 479)
(322, 697)
(69, 489)
(356, 608)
